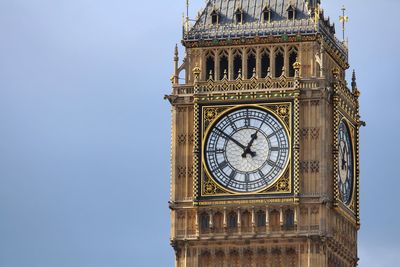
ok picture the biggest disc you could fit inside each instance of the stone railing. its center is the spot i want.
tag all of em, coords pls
(252, 230)
(253, 84)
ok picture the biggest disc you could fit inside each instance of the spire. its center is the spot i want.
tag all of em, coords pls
(176, 54)
(353, 80)
(354, 87)
(175, 77)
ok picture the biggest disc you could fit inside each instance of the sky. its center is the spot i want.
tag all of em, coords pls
(85, 132)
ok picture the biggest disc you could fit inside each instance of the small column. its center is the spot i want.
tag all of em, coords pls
(281, 216)
(272, 61)
(216, 65)
(295, 217)
(253, 220)
(210, 215)
(230, 64)
(197, 223)
(224, 219)
(258, 63)
(175, 78)
(239, 223)
(266, 220)
(286, 60)
(244, 63)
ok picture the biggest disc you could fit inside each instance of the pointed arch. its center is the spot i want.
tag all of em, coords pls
(237, 63)
(279, 61)
(265, 62)
(293, 54)
(223, 64)
(210, 65)
(251, 63)
(218, 222)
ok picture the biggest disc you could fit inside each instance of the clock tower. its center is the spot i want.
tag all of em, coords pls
(265, 139)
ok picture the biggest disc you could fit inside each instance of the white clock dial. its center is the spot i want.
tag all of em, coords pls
(345, 163)
(247, 150)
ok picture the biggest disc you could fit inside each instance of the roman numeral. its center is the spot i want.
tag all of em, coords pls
(232, 175)
(274, 133)
(222, 165)
(271, 163)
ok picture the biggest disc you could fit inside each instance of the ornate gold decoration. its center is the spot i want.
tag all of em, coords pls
(210, 114)
(210, 188)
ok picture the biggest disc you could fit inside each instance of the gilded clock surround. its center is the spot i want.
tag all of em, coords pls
(210, 114)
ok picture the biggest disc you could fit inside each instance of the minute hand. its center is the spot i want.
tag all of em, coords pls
(231, 138)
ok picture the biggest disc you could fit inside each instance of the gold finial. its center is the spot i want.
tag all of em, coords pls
(196, 72)
(343, 19)
(297, 66)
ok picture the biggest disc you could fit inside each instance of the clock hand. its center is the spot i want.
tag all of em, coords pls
(231, 138)
(248, 148)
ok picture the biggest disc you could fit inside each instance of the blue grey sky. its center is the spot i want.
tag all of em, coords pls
(85, 133)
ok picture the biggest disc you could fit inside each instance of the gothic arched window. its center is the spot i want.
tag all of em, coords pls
(291, 11)
(223, 64)
(214, 17)
(260, 218)
(265, 63)
(292, 60)
(204, 221)
(266, 17)
(274, 220)
(210, 66)
(239, 15)
(218, 222)
(237, 64)
(232, 220)
(289, 219)
(279, 62)
(251, 63)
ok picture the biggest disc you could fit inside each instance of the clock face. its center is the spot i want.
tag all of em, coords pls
(247, 150)
(345, 164)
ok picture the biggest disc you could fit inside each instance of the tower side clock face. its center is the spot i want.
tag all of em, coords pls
(345, 164)
(247, 150)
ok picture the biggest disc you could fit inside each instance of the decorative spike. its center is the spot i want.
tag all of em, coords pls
(283, 71)
(240, 74)
(210, 76)
(176, 53)
(354, 87)
(254, 72)
(225, 75)
(353, 81)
